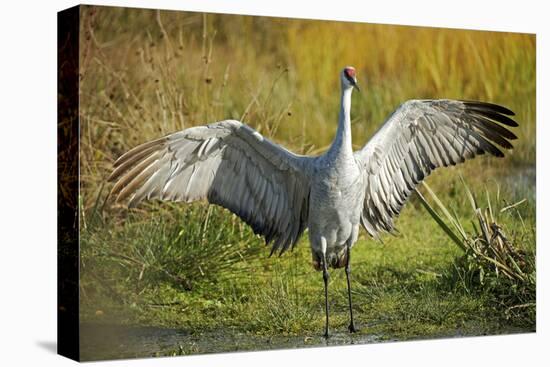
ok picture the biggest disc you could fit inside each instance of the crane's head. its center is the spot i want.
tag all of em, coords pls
(348, 78)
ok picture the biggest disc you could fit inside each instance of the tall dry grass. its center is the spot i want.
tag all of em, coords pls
(146, 73)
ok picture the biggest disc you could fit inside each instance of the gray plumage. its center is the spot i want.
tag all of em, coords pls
(420, 136)
(228, 164)
(280, 194)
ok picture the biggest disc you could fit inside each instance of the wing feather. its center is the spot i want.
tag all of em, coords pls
(228, 164)
(420, 136)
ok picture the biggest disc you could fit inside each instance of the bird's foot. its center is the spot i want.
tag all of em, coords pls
(352, 328)
(325, 335)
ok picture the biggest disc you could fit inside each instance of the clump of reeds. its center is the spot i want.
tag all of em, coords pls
(492, 261)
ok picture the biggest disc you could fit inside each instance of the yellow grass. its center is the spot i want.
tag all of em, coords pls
(147, 73)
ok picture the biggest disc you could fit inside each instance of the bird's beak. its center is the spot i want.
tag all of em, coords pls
(356, 86)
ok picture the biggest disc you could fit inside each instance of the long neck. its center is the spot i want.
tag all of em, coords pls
(341, 146)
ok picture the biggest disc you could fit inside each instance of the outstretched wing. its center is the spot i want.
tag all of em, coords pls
(229, 164)
(420, 136)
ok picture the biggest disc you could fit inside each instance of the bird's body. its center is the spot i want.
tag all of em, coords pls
(335, 205)
(280, 194)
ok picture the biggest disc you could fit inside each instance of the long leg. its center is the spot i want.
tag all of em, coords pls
(351, 326)
(325, 279)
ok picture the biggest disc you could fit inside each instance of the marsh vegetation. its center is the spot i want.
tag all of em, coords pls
(201, 271)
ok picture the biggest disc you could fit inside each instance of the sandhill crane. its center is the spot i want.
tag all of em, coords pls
(280, 194)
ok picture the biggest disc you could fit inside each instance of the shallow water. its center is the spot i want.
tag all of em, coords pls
(112, 341)
(523, 182)
(99, 341)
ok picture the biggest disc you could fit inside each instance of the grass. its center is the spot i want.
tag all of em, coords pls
(504, 267)
(408, 287)
(192, 267)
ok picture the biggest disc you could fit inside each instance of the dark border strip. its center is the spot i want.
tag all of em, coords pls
(68, 183)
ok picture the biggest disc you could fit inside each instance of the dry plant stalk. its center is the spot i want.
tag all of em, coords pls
(488, 246)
